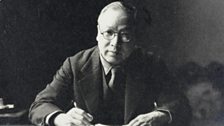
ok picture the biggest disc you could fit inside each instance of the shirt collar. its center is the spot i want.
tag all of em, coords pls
(106, 66)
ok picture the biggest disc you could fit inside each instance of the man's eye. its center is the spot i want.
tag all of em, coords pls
(108, 33)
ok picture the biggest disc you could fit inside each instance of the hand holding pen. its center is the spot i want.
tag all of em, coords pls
(74, 117)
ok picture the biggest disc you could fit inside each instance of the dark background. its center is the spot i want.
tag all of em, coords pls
(37, 35)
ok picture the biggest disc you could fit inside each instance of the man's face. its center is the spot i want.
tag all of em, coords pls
(116, 49)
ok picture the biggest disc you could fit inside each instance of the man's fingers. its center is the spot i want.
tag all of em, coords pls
(138, 121)
(78, 110)
(79, 122)
(84, 114)
(90, 116)
(100, 125)
(134, 122)
(80, 118)
(81, 115)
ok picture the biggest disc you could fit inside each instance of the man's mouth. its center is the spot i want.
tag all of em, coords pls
(113, 52)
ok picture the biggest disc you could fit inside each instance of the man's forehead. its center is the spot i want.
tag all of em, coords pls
(115, 17)
(119, 21)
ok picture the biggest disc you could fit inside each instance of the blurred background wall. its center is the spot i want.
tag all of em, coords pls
(183, 31)
(37, 35)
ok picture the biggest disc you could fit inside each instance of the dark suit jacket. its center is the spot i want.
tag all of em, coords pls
(80, 77)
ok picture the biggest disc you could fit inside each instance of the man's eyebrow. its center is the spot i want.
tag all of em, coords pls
(126, 28)
(109, 27)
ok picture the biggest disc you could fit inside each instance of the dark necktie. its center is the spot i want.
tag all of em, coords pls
(117, 80)
(113, 78)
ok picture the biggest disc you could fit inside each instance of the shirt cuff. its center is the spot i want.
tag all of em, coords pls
(49, 120)
(167, 112)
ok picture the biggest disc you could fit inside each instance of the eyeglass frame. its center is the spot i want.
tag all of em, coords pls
(114, 34)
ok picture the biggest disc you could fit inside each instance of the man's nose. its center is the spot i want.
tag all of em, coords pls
(115, 41)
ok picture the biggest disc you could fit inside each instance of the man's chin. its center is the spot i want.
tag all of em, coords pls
(114, 61)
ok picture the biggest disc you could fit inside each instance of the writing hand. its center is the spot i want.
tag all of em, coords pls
(108, 125)
(74, 117)
(100, 125)
(154, 118)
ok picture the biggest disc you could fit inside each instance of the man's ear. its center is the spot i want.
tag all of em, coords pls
(98, 32)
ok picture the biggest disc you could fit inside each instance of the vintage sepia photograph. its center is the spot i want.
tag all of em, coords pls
(111, 62)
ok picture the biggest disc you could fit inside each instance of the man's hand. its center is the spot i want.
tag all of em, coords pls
(155, 118)
(100, 125)
(74, 117)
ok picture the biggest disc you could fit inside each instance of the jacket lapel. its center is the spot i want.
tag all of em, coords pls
(90, 82)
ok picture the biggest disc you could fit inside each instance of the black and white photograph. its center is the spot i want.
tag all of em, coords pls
(111, 62)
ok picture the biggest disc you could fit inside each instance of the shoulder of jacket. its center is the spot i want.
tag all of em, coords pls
(80, 58)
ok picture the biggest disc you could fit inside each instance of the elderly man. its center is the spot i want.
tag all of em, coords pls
(114, 83)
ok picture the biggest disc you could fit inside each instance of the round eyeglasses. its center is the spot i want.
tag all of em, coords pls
(126, 36)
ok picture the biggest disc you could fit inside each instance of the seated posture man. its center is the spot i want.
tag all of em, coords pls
(113, 83)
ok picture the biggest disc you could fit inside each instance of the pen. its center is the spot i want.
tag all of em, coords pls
(75, 104)
(155, 104)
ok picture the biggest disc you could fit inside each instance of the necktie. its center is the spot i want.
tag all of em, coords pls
(117, 79)
(112, 79)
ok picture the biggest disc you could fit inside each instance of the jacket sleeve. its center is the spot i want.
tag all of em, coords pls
(55, 97)
(170, 97)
